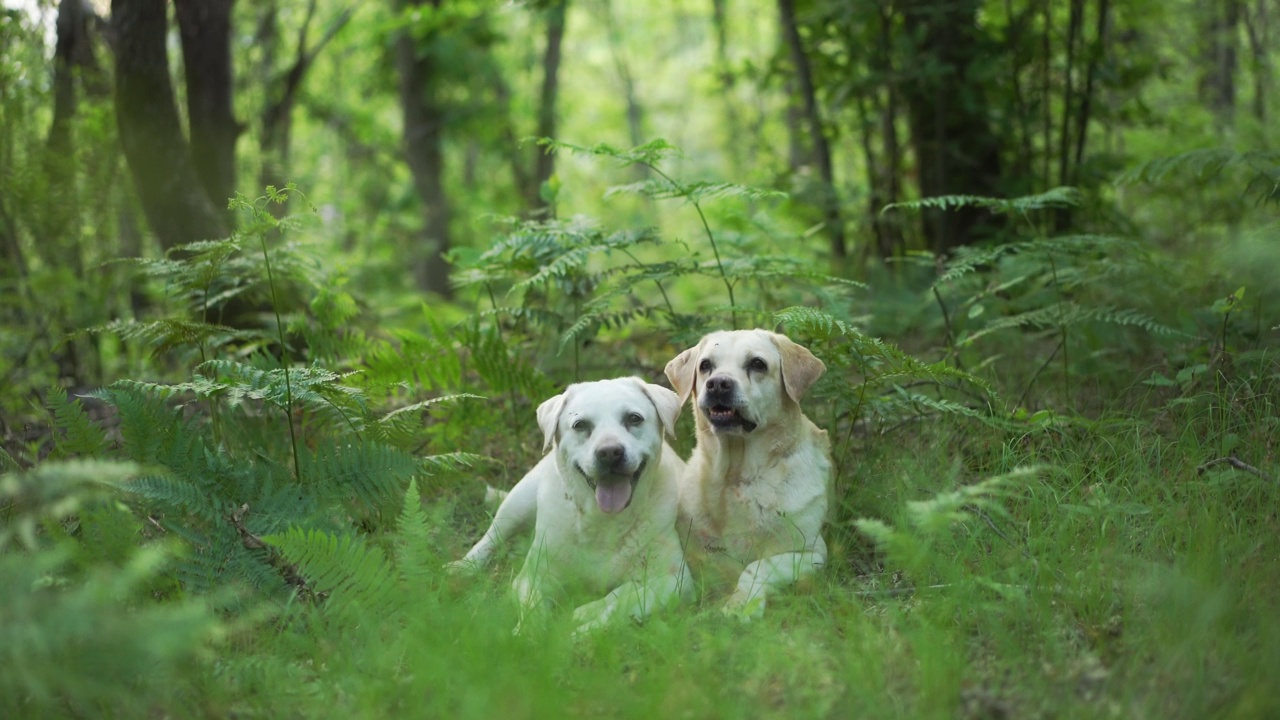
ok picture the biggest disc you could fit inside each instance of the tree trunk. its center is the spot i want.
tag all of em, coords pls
(205, 27)
(424, 119)
(821, 149)
(955, 148)
(283, 89)
(635, 112)
(1259, 47)
(544, 164)
(1086, 101)
(1218, 58)
(73, 59)
(159, 159)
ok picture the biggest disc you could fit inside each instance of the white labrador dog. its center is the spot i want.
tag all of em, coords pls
(603, 505)
(756, 490)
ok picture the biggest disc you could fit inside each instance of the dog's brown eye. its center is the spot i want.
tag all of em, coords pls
(705, 366)
(633, 419)
(581, 425)
(757, 364)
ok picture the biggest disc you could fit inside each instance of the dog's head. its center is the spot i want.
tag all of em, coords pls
(607, 433)
(743, 379)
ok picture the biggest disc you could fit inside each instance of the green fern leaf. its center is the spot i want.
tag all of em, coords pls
(413, 556)
(80, 436)
(1055, 198)
(356, 576)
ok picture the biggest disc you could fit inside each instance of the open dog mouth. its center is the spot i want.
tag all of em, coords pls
(614, 490)
(723, 417)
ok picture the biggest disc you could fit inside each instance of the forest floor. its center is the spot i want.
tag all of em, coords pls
(1131, 575)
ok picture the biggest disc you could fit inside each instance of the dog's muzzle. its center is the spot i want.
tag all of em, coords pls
(720, 403)
(614, 489)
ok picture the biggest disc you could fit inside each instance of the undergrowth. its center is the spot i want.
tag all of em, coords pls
(1055, 483)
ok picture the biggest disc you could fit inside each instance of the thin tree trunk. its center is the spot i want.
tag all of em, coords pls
(1218, 58)
(724, 73)
(955, 149)
(1095, 59)
(821, 148)
(424, 119)
(1046, 92)
(635, 111)
(544, 164)
(205, 27)
(159, 159)
(283, 89)
(1062, 216)
(884, 176)
(1259, 45)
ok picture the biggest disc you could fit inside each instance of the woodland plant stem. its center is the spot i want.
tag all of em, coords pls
(213, 406)
(728, 284)
(284, 364)
(951, 336)
(1062, 329)
(1036, 374)
(670, 308)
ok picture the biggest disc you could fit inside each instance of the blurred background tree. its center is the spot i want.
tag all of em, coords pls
(127, 125)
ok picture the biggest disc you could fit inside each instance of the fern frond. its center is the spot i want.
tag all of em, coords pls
(1201, 164)
(80, 436)
(1069, 313)
(170, 333)
(662, 188)
(1056, 198)
(651, 153)
(356, 576)
(413, 557)
(367, 472)
(449, 464)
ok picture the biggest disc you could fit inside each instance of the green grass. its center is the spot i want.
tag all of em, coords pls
(1116, 582)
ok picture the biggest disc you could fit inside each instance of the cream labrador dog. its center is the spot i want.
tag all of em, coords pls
(603, 505)
(756, 490)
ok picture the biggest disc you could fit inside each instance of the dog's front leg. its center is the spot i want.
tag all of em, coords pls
(636, 599)
(748, 599)
(527, 588)
(516, 514)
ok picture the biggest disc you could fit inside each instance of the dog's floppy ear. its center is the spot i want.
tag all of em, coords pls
(665, 402)
(682, 373)
(800, 369)
(549, 418)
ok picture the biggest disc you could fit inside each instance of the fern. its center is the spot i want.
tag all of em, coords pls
(369, 472)
(1207, 163)
(1066, 314)
(79, 435)
(355, 576)
(1056, 198)
(666, 189)
(412, 557)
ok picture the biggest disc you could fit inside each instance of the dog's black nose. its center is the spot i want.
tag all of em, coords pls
(720, 385)
(610, 454)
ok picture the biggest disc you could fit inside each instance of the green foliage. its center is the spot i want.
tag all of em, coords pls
(1058, 197)
(1203, 166)
(79, 435)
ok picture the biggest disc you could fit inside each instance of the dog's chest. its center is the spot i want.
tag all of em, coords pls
(741, 523)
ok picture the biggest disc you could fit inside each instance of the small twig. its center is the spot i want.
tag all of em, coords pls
(1032, 381)
(994, 528)
(1236, 463)
(951, 336)
(288, 571)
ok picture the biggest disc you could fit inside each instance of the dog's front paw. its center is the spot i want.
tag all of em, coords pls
(744, 606)
(593, 616)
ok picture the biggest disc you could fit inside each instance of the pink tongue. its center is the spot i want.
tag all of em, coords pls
(613, 497)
